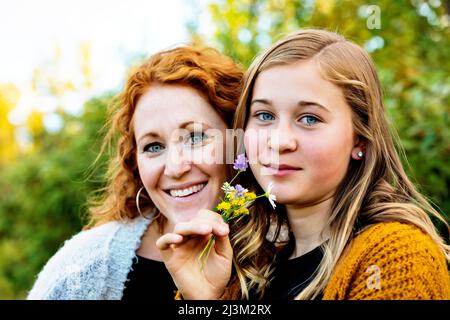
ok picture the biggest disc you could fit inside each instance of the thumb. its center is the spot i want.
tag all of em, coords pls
(223, 247)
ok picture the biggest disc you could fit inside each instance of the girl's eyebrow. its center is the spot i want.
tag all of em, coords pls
(263, 101)
(301, 103)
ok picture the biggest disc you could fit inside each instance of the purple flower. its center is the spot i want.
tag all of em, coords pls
(241, 163)
(239, 191)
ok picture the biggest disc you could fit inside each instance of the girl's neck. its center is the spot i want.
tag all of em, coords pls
(309, 225)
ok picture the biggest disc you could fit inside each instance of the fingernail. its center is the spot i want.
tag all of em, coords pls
(223, 229)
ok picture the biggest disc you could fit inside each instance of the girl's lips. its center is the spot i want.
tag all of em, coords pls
(281, 171)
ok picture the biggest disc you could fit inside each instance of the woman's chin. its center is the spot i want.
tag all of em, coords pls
(186, 215)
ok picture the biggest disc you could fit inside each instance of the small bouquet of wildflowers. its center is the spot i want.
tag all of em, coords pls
(235, 202)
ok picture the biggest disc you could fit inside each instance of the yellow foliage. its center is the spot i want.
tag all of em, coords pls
(35, 123)
(324, 6)
(9, 95)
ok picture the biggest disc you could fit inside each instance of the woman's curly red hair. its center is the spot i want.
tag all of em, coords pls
(212, 74)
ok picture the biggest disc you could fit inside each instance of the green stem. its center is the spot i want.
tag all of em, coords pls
(235, 177)
(206, 251)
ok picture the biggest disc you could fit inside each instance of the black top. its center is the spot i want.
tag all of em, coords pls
(149, 280)
(291, 276)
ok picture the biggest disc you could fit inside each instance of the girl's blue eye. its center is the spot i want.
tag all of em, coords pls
(309, 120)
(264, 116)
(197, 137)
(154, 147)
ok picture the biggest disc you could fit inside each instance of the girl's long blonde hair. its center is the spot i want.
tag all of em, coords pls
(374, 190)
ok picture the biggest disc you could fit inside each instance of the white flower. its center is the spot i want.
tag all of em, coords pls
(272, 198)
(227, 188)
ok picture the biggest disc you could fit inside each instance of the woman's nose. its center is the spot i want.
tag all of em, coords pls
(177, 164)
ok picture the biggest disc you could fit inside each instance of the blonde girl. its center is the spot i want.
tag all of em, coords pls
(315, 126)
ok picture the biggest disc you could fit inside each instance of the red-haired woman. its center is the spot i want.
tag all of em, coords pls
(171, 125)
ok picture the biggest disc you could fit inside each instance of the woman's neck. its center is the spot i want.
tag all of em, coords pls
(148, 248)
(309, 225)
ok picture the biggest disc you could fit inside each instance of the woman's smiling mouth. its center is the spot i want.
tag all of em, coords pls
(186, 192)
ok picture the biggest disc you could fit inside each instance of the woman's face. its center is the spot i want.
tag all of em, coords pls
(299, 134)
(179, 150)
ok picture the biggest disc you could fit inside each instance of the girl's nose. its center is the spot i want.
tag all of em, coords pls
(282, 140)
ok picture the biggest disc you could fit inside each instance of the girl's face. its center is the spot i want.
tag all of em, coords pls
(179, 150)
(299, 134)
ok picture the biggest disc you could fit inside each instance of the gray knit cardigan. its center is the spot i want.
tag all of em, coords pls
(93, 264)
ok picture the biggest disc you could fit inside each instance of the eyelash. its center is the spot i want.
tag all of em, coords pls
(196, 134)
(189, 139)
(257, 115)
(148, 146)
(310, 116)
(263, 113)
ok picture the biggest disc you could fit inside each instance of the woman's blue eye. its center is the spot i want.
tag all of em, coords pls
(153, 148)
(197, 137)
(264, 116)
(309, 120)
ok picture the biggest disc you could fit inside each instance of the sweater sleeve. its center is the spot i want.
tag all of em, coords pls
(395, 261)
(78, 269)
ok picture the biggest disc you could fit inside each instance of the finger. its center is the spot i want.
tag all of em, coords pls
(223, 247)
(208, 214)
(165, 241)
(221, 229)
(203, 226)
(197, 227)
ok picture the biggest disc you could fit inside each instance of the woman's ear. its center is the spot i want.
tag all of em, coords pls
(359, 149)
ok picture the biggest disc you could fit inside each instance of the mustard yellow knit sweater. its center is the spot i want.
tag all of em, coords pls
(390, 260)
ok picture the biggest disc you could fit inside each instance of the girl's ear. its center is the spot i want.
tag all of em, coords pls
(359, 149)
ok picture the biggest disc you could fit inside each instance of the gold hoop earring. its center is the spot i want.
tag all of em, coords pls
(137, 204)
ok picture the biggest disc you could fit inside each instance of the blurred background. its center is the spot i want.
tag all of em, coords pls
(61, 62)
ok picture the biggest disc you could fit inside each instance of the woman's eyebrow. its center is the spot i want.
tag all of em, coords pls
(186, 124)
(183, 125)
(148, 134)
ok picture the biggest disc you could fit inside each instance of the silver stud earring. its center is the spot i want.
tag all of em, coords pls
(360, 154)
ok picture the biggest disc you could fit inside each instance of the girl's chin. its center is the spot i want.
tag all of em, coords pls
(287, 199)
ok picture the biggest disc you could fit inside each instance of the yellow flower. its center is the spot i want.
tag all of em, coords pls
(242, 211)
(241, 202)
(250, 196)
(223, 206)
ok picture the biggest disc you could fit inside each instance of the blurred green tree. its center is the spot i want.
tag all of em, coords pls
(43, 196)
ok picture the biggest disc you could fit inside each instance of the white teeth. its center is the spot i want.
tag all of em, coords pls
(187, 191)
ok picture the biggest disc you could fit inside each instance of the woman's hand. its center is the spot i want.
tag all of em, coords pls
(181, 248)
